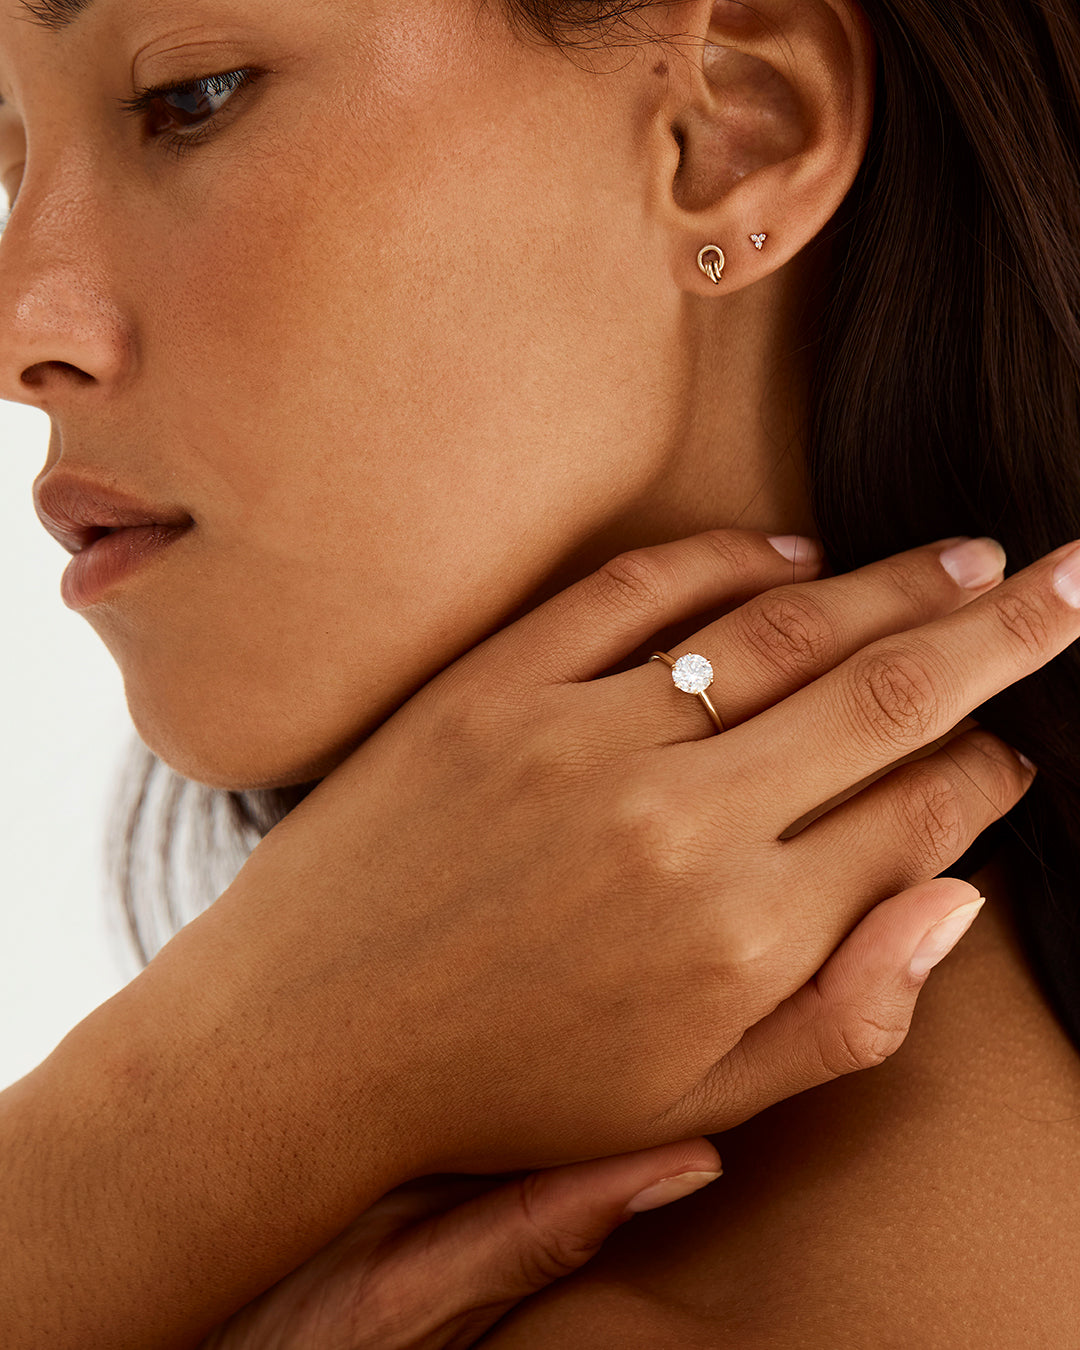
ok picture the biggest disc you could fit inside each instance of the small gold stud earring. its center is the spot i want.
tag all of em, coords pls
(713, 267)
(758, 240)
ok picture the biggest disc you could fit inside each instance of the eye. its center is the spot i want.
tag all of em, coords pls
(181, 114)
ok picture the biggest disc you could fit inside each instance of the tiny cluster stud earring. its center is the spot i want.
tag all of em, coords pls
(758, 240)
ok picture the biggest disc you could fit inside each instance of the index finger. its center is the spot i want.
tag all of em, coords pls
(600, 620)
(902, 692)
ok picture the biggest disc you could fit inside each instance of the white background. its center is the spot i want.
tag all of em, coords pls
(64, 731)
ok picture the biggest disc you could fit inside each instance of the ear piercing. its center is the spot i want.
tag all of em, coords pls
(713, 267)
(711, 258)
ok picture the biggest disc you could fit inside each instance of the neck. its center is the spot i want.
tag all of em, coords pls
(735, 457)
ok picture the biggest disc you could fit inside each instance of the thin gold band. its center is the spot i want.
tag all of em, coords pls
(670, 661)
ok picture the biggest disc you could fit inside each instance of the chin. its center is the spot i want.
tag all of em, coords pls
(234, 749)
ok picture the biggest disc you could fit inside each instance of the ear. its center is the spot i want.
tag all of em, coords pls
(764, 119)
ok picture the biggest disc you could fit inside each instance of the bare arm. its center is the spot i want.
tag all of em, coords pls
(173, 1156)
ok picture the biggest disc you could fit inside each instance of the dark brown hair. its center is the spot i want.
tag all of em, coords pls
(945, 400)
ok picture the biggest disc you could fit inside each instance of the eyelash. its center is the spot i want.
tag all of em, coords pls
(179, 143)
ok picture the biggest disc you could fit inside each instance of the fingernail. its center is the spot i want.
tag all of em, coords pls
(976, 562)
(797, 548)
(943, 937)
(1067, 578)
(1025, 761)
(671, 1188)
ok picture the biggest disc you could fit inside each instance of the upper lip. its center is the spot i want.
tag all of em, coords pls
(77, 510)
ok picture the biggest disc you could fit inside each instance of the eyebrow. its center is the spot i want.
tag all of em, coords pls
(55, 14)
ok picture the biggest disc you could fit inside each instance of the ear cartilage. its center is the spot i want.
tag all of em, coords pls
(758, 240)
(713, 267)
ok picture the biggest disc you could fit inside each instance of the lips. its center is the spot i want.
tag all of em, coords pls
(76, 511)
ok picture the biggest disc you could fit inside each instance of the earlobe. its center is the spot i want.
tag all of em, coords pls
(771, 107)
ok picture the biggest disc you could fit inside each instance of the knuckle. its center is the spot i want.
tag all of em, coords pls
(909, 580)
(746, 945)
(731, 550)
(369, 1312)
(932, 815)
(554, 755)
(857, 1040)
(637, 580)
(649, 835)
(894, 696)
(465, 710)
(462, 734)
(746, 935)
(788, 632)
(1025, 622)
(549, 1249)
(1003, 782)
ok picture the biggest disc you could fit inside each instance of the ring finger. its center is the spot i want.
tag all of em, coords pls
(787, 637)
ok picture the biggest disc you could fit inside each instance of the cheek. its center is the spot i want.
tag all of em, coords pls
(395, 386)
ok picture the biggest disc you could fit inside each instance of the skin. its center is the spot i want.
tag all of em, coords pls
(381, 471)
(417, 338)
(926, 1204)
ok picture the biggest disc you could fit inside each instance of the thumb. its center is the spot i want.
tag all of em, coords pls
(462, 1270)
(857, 1009)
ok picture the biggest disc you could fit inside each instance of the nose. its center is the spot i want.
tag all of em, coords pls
(63, 334)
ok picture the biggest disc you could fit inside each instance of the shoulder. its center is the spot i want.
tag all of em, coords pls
(931, 1203)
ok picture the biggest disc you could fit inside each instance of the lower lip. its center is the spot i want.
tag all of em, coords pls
(108, 560)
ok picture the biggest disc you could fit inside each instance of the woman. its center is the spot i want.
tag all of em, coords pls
(710, 276)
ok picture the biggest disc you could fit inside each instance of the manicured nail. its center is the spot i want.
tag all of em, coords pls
(797, 548)
(671, 1188)
(943, 937)
(1067, 578)
(1025, 761)
(974, 563)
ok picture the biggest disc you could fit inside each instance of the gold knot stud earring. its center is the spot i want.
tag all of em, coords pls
(712, 266)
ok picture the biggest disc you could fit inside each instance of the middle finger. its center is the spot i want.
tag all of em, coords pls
(901, 693)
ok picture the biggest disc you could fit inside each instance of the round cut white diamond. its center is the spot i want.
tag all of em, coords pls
(692, 673)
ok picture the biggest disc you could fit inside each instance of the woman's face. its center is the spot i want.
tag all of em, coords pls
(400, 335)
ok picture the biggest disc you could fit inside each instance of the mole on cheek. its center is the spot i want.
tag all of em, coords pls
(660, 68)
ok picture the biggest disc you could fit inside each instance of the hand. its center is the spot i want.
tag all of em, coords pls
(544, 914)
(551, 914)
(438, 1261)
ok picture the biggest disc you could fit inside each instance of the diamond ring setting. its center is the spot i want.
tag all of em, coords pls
(693, 674)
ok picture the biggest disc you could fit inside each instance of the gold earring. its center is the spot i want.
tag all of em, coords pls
(712, 267)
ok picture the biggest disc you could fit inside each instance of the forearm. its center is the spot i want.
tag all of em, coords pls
(180, 1151)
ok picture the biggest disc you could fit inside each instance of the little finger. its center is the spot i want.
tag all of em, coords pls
(853, 1014)
(906, 828)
